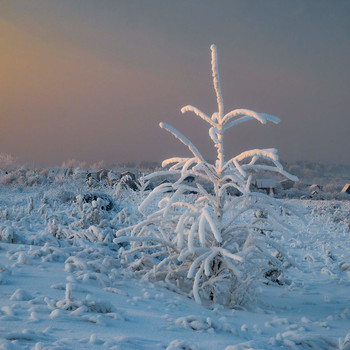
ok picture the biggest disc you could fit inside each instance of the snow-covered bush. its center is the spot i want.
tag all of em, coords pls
(22, 176)
(211, 245)
(17, 177)
(7, 234)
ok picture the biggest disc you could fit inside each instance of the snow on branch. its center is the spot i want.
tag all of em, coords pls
(261, 117)
(270, 153)
(199, 113)
(216, 81)
(183, 139)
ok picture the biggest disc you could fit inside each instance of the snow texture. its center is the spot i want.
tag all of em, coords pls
(66, 292)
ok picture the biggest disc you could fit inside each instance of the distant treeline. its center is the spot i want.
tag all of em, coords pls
(310, 170)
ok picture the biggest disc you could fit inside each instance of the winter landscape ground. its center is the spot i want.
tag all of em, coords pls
(62, 285)
(222, 264)
(206, 250)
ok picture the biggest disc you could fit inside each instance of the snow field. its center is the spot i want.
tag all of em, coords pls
(70, 292)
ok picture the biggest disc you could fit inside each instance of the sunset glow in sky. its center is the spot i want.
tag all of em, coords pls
(92, 79)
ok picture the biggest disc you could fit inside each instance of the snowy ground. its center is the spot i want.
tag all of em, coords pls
(62, 287)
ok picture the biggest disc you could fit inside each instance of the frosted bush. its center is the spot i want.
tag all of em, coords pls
(7, 234)
(81, 306)
(210, 244)
(22, 176)
(127, 200)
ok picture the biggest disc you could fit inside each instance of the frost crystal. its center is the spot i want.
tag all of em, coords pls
(201, 239)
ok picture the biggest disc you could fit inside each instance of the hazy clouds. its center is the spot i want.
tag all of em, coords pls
(91, 80)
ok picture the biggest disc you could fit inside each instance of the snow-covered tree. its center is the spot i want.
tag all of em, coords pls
(201, 239)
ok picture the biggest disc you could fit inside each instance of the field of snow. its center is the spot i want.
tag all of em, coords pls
(62, 286)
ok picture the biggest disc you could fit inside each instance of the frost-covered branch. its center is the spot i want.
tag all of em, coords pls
(216, 81)
(183, 139)
(199, 113)
(245, 115)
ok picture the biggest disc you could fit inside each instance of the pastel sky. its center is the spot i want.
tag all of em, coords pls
(92, 79)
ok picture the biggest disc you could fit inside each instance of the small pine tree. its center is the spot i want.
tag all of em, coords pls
(210, 244)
